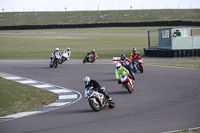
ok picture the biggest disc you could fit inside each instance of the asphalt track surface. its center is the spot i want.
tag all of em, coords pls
(165, 99)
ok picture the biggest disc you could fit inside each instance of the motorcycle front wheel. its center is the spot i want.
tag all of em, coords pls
(50, 64)
(132, 74)
(140, 68)
(128, 87)
(55, 63)
(84, 61)
(95, 106)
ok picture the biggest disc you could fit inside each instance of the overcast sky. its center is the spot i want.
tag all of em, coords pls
(84, 5)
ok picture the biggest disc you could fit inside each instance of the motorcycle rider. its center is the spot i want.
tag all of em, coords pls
(68, 52)
(55, 52)
(133, 57)
(94, 54)
(123, 59)
(96, 87)
(119, 71)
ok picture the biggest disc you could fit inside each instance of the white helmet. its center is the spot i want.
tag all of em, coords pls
(86, 80)
(57, 49)
(68, 48)
(118, 66)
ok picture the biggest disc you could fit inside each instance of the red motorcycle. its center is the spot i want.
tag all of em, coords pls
(127, 82)
(137, 66)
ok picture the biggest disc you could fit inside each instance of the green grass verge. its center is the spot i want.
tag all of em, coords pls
(40, 46)
(189, 131)
(16, 97)
(193, 64)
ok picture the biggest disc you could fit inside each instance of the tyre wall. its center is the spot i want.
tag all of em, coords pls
(171, 53)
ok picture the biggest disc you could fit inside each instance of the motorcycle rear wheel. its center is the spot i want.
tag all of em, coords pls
(93, 61)
(112, 104)
(95, 107)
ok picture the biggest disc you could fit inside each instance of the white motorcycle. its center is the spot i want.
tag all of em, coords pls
(97, 100)
(55, 59)
(64, 57)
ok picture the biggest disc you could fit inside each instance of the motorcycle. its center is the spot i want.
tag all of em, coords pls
(55, 60)
(89, 58)
(129, 67)
(127, 82)
(97, 100)
(64, 57)
(138, 64)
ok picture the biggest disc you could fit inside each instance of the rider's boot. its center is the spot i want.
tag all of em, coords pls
(135, 65)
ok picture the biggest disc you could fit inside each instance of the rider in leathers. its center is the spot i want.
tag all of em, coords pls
(55, 52)
(68, 52)
(96, 86)
(123, 59)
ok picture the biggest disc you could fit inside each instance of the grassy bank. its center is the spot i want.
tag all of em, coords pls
(193, 64)
(81, 17)
(189, 131)
(16, 97)
(40, 46)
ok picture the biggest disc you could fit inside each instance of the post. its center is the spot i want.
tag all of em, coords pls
(148, 39)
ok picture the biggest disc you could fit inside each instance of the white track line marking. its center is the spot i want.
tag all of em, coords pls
(22, 114)
(59, 91)
(42, 86)
(13, 78)
(27, 81)
(68, 96)
(57, 104)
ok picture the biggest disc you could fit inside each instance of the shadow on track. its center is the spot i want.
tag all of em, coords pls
(118, 92)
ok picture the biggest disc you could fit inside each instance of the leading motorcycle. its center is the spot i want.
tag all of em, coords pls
(127, 82)
(55, 59)
(97, 100)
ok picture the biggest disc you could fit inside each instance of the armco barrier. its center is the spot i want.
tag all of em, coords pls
(93, 25)
(171, 53)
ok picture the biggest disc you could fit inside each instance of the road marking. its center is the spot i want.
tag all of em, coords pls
(63, 98)
(42, 86)
(68, 97)
(27, 81)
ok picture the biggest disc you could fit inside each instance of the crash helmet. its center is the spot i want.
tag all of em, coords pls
(68, 49)
(57, 49)
(118, 66)
(134, 49)
(93, 50)
(86, 80)
(123, 57)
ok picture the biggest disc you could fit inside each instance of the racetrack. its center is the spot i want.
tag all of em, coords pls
(165, 99)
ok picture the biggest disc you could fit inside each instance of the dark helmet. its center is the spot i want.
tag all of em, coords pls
(123, 57)
(134, 49)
